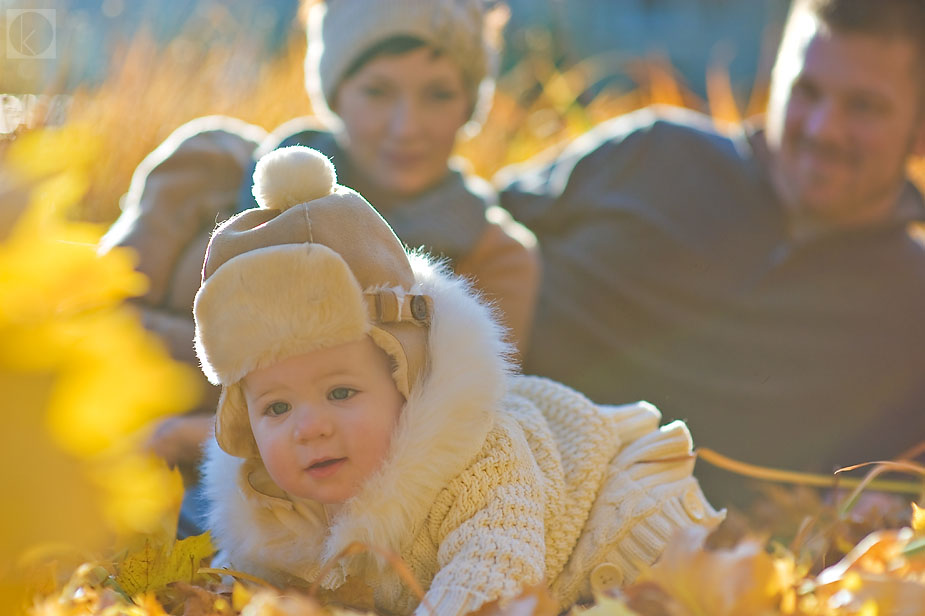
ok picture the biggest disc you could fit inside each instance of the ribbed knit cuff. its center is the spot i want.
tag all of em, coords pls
(649, 495)
(647, 540)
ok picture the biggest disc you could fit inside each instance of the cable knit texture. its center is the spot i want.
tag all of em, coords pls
(494, 482)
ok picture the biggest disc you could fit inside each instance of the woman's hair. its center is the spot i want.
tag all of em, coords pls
(392, 46)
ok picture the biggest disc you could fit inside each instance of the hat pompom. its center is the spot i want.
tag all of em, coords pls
(292, 175)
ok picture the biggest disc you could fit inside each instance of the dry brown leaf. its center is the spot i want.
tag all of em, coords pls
(198, 601)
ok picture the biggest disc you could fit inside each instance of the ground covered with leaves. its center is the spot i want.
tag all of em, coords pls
(733, 571)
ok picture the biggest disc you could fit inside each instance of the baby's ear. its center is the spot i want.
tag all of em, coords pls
(233, 425)
(292, 175)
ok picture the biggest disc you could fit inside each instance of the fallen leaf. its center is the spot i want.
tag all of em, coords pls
(154, 566)
(724, 582)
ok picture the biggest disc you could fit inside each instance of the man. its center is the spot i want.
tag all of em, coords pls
(766, 286)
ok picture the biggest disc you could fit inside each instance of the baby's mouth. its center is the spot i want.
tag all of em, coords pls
(325, 463)
(325, 468)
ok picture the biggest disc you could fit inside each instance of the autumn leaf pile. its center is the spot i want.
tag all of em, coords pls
(884, 574)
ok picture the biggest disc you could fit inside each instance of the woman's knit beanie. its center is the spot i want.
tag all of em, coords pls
(340, 31)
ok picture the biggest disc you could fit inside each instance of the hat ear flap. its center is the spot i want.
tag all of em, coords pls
(232, 424)
(399, 361)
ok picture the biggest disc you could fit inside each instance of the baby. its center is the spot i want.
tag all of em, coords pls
(367, 396)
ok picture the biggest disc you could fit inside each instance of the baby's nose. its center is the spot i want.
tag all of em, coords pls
(311, 424)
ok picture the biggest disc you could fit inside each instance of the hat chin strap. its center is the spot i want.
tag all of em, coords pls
(399, 327)
(395, 306)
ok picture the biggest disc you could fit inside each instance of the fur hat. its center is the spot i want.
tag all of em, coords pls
(313, 267)
(340, 31)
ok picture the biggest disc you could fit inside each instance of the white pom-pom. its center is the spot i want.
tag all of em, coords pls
(292, 175)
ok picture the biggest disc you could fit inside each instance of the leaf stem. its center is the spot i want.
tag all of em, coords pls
(801, 478)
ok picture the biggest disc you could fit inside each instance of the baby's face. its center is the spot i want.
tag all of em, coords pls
(323, 420)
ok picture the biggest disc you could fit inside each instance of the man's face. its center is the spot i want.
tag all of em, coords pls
(845, 114)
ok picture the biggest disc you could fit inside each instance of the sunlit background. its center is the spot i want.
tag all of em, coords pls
(136, 70)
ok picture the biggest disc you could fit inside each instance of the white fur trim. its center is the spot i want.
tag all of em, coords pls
(443, 424)
(292, 175)
(252, 536)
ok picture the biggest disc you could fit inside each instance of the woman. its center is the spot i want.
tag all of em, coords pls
(396, 82)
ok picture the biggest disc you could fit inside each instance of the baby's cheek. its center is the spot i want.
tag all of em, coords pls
(269, 448)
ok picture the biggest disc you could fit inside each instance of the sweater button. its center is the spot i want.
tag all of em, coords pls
(693, 504)
(605, 576)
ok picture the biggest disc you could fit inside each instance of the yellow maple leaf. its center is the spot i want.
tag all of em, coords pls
(154, 566)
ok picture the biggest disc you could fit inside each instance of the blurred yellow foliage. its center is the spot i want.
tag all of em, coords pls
(918, 519)
(78, 375)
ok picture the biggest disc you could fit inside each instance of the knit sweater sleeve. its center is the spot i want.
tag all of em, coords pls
(179, 190)
(177, 194)
(489, 528)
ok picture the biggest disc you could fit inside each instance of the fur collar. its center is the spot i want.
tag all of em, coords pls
(442, 427)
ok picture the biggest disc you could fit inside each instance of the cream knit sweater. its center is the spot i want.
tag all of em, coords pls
(494, 483)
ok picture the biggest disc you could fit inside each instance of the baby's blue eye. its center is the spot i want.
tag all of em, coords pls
(341, 393)
(277, 408)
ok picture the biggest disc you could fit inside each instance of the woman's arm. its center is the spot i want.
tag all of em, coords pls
(505, 266)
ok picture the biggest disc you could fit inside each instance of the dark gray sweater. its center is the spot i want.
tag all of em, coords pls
(671, 276)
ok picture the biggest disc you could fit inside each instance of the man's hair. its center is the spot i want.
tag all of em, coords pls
(886, 18)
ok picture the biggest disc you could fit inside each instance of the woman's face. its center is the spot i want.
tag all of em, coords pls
(401, 114)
